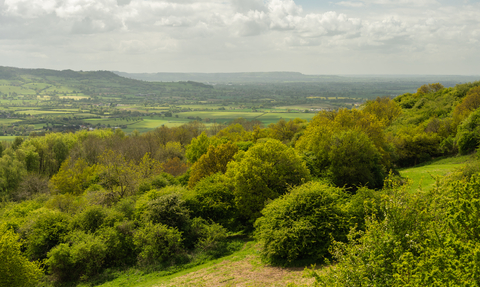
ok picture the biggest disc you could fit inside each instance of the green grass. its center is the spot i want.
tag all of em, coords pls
(8, 121)
(242, 268)
(269, 118)
(7, 138)
(424, 176)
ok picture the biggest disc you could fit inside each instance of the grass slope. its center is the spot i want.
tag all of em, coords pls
(424, 176)
(242, 268)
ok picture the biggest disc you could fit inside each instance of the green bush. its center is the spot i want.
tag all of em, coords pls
(263, 173)
(209, 237)
(354, 161)
(169, 209)
(119, 242)
(15, 269)
(45, 231)
(127, 207)
(157, 182)
(424, 239)
(213, 199)
(468, 135)
(83, 255)
(91, 218)
(158, 244)
(301, 224)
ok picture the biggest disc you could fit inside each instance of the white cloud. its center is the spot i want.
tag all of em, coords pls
(142, 31)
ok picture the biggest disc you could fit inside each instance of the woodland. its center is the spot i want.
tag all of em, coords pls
(324, 193)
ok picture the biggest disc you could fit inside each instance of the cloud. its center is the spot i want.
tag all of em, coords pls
(351, 4)
(142, 31)
(245, 6)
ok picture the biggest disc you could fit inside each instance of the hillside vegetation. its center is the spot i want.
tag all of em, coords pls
(81, 208)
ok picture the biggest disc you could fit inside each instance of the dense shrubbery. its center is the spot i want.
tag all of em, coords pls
(425, 239)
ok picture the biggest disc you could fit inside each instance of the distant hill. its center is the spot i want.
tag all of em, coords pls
(254, 77)
(285, 77)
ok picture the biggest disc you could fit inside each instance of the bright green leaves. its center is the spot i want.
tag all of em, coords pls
(302, 224)
(15, 269)
(263, 173)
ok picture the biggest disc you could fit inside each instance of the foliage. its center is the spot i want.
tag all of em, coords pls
(32, 184)
(413, 146)
(470, 103)
(11, 173)
(73, 178)
(91, 218)
(429, 88)
(198, 147)
(213, 161)
(302, 224)
(118, 175)
(158, 244)
(385, 109)
(210, 238)
(424, 239)
(468, 135)
(168, 209)
(15, 269)
(354, 161)
(44, 231)
(263, 173)
(213, 199)
(81, 257)
(347, 146)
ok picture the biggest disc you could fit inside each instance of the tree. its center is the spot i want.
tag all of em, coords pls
(429, 88)
(354, 161)
(73, 178)
(263, 173)
(385, 109)
(470, 103)
(215, 160)
(116, 174)
(323, 134)
(197, 147)
(15, 269)
(11, 172)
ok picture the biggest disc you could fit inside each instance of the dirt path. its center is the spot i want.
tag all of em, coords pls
(246, 272)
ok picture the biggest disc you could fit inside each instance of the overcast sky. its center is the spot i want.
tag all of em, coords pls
(312, 37)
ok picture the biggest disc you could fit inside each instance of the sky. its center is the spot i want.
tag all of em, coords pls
(212, 36)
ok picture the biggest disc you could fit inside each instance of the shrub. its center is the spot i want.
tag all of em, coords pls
(157, 182)
(210, 237)
(45, 231)
(169, 209)
(263, 173)
(468, 135)
(213, 199)
(301, 224)
(354, 161)
(82, 256)
(424, 239)
(158, 244)
(91, 218)
(15, 269)
(119, 242)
